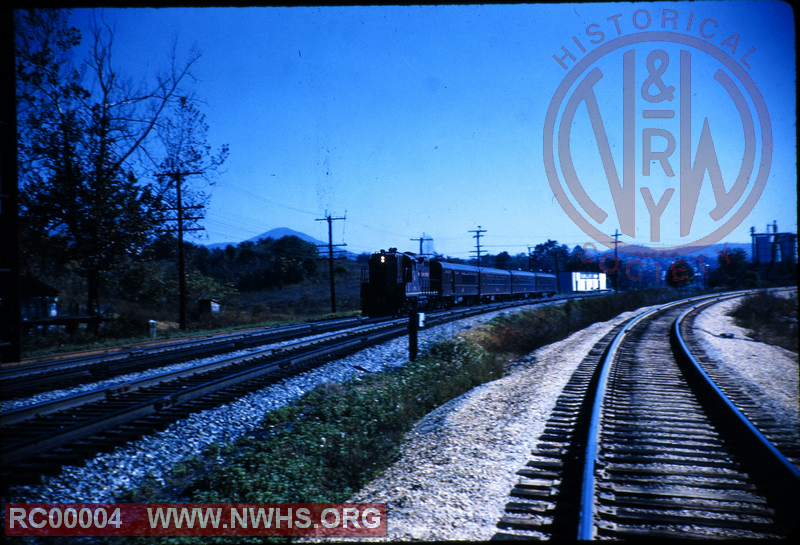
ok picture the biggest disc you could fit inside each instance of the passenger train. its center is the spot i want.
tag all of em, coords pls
(397, 283)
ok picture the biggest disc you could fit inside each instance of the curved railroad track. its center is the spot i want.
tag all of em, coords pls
(642, 443)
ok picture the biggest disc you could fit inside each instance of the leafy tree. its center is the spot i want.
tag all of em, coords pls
(288, 260)
(186, 153)
(47, 92)
(580, 260)
(47, 86)
(502, 260)
(680, 274)
(549, 257)
(733, 271)
(183, 137)
(263, 264)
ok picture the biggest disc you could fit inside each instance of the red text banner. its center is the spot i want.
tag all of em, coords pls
(195, 519)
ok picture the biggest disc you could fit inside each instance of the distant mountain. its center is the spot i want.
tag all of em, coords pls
(280, 232)
(275, 234)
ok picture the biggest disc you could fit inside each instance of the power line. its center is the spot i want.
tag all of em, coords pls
(262, 198)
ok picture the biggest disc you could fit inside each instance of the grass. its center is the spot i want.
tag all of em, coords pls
(308, 301)
(769, 318)
(327, 444)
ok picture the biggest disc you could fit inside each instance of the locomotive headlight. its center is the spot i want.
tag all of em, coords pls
(383, 259)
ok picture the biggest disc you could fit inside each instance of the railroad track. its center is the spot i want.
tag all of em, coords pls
(27, 380)
(642, 443)
(39, 439)
(20, 381)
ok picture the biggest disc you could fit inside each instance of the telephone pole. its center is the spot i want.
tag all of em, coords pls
(478, 232)
(421, 240)
(330, 221)
(616, 236)
(177, 176)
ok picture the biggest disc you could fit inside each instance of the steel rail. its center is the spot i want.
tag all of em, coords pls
(585, 530)
(586, 507)
(189, 346)
(22, 450)
(15, 416)
(774, 462)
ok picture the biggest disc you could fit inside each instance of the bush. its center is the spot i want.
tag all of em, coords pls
(769, 318)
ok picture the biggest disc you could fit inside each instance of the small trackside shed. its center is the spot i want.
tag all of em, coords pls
(579, 282)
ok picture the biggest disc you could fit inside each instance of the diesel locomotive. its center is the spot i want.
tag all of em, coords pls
(396, 283)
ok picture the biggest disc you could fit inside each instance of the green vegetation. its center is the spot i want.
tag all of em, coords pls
(769, 318)
(334, 439)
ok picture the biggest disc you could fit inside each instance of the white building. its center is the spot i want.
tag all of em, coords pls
(575, 282)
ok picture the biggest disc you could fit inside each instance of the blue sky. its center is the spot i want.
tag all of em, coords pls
(431, 119)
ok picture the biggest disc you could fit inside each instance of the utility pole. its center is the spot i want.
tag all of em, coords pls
(330, 221)
(421, 240)
(478, 232)
(616, 236)
(177, 176)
